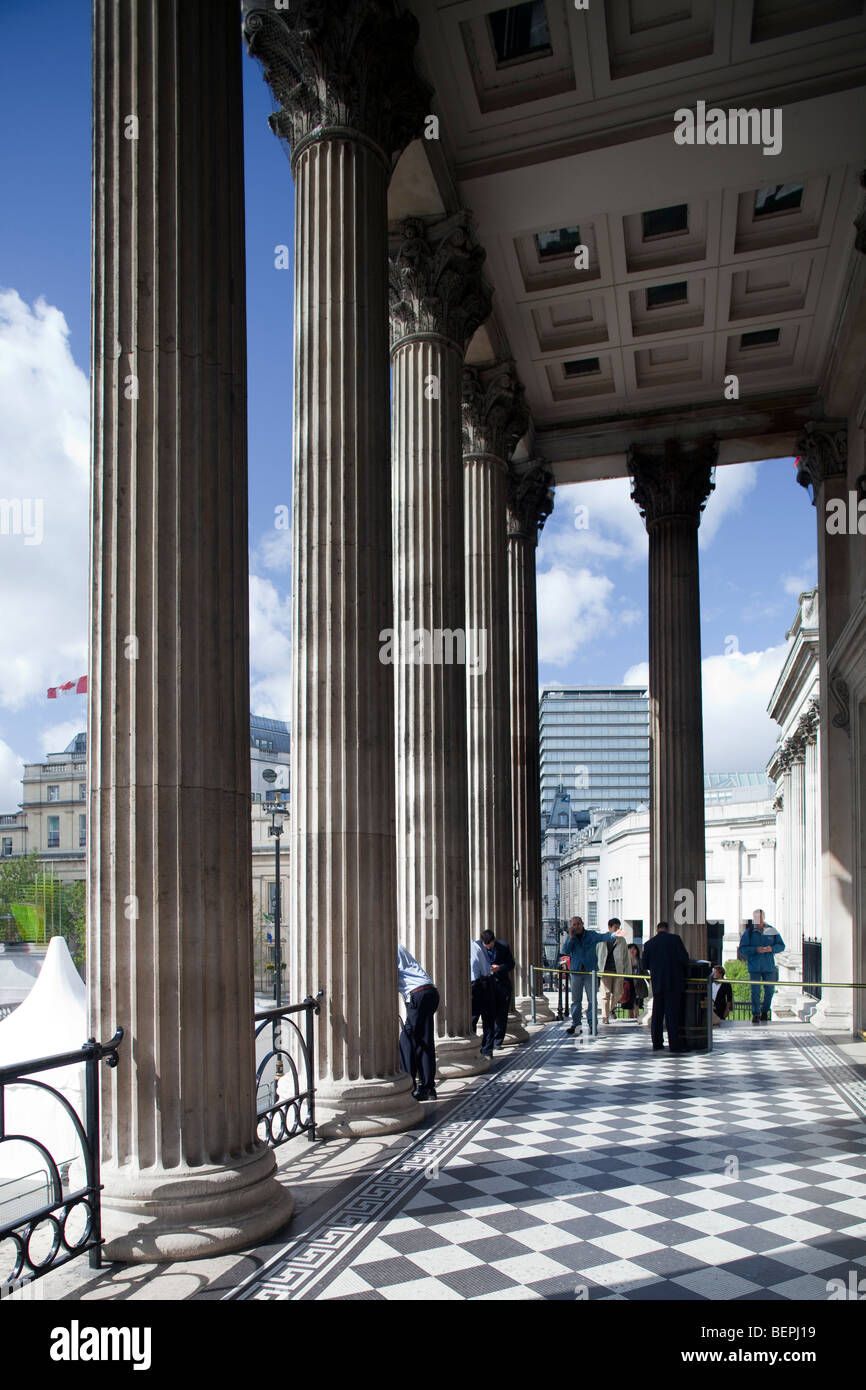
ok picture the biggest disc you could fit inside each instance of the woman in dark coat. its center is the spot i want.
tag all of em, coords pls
(635, 990)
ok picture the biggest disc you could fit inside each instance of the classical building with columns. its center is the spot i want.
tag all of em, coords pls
(493, 216)
(795, 770)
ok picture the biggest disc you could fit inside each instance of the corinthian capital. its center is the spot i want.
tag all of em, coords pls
(673, 479)
(530, 500)
(822, 453)
(344, 64)
(495, 417)
(435, 282)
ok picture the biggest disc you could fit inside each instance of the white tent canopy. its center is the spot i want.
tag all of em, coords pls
(52, 1019)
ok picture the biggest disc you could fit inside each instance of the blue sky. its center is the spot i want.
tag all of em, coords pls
(757, 539)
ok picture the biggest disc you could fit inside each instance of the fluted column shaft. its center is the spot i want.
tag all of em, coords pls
(798, 854)
(438, 298)
(169, 853)
(328, 68)
(813, 841)
(432, 808)
(491, 883)
(671, 487)
(529, 501)
(494, 418)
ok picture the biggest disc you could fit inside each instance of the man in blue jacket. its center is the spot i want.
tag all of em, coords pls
(759, 946)
(580, 948)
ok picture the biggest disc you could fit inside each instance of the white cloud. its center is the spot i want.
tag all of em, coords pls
(44, 434)
(11, 772)
(734, 482)
(58, 736)
(274, 551)
(270, 649)
(798, 584)
(739, 735)
(573, 606)
(594, 520)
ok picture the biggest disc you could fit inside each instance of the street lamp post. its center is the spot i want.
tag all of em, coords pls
(276, 829)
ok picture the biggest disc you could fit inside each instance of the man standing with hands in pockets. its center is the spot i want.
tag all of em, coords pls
(759, 945)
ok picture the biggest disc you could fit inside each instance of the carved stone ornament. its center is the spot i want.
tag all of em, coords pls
(674, 479)
(435, 281)
(495, 417)
(530, 501)
(807, 728)
(822, 453)
(344, 64)
(839, 690)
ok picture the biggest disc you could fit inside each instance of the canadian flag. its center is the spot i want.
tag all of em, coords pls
(78, 687)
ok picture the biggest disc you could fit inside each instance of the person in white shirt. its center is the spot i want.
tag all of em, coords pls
(417, 1038)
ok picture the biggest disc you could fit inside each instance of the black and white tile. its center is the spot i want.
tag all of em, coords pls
(604, 1170)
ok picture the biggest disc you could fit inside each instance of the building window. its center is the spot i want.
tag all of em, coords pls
(559, 242)
(665, 221)
(592, 914)
(751, 865)
(520, 31)
(583, 366)
(6, 846)
(659, 295)
(53, 832)
(54, 793)
(781, 197)
(82, 791)
(763, 338)
(82, 831)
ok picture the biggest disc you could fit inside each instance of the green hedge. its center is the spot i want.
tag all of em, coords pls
(736, 970)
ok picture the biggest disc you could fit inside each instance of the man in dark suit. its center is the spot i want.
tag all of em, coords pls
(666, 960)
(501, 965)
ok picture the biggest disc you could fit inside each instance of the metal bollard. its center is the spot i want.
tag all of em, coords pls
(593, 1006)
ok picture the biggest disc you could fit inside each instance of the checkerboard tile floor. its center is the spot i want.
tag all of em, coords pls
(612, 1172)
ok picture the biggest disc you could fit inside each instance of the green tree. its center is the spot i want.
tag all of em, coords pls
(17, 877)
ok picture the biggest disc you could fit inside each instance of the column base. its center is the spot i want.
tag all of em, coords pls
(358, 1109)
(515, 1033)
(456, 1057)
(543, 1012)
(832, 1017)
(160, 1214)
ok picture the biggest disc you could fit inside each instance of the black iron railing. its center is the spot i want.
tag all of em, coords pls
(66, 1224)
(286, 1107)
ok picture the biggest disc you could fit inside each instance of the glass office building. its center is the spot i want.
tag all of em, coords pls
(595, 749)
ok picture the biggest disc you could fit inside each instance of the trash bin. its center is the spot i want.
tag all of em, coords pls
(693, 1019)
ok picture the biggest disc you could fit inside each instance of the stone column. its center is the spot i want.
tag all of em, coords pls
(794, 940)
(733, 897)
(169, 850)
(494, 420)
(438, 299)
(811, 907)
(530, 501)
(670, 485)
(349, 99)
(822, 468)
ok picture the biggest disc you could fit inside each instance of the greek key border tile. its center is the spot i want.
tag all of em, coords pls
(320, 1254)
